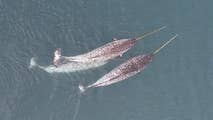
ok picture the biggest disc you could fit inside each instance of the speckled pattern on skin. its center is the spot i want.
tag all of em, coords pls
(177, 85)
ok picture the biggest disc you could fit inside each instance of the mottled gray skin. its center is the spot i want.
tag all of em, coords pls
(124, 71)
(117, 47)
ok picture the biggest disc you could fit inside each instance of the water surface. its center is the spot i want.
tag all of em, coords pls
(177, 85)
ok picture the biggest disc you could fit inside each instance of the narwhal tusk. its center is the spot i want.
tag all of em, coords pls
(165, 44)
(150, 33)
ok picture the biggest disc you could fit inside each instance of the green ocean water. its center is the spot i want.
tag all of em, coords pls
(177, 85)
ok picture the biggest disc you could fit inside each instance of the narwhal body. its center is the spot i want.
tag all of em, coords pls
(109, 51)
(129, 68)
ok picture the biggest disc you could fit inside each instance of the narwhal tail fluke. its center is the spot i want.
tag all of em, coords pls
(165, 44)
(32, 63)
(150, 33)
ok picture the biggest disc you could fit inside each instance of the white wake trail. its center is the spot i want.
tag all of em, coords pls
(66, 68)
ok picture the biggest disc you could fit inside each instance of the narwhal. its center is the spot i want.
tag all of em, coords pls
(127, 69)
(93, 59)
(109, 51)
